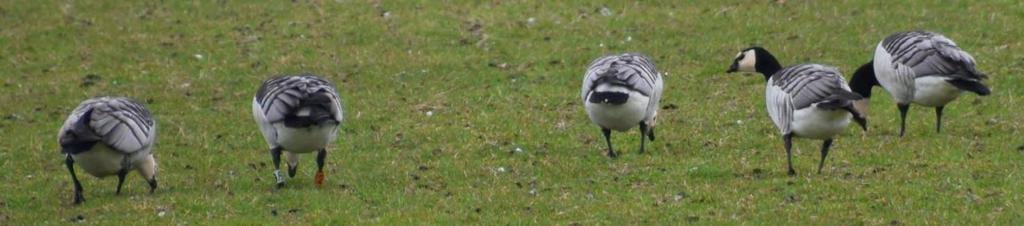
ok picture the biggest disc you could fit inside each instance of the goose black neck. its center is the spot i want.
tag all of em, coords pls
(863, 79)
(767, 64)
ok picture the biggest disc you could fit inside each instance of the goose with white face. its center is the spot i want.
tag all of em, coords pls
(806, 100)
(746, 61)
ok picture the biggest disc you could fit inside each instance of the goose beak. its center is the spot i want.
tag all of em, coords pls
(863, 122)
(860, 113)
(734, 68)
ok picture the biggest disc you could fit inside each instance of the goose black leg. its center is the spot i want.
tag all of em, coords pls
(275, 154)
(120, 180)
(903, 117)
(292, 170)
(643, 133)
(70, 163)
(122, 173)
(152, 185)
(608, 139)
(938, 119)
(788, 141)
(824, 153)
(320, 157)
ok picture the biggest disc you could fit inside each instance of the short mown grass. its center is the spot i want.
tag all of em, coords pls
(469, 113)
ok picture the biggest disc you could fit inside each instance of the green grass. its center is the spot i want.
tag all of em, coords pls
(496, 82)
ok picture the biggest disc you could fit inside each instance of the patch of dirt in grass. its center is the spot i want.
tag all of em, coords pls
(77, 219)
(90, 80)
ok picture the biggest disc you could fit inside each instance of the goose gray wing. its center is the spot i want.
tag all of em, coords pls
(279, 97)
(121, 123)
(634, 70)
(931, 54)
(808, 84)
(780, 107)
(802, 86)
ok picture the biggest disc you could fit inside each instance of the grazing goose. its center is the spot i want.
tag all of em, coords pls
(805, 100)
(620, 92)
(919, 67)
(109, 136)
(297, 114)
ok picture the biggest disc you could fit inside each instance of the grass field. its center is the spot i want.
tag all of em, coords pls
(469, 113)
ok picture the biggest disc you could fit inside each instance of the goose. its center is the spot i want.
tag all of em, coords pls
(805, 100)
(920, 67)
(297, 114)
(109, 136)
(620, 92)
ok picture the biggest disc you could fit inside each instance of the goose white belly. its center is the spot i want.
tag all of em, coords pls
(306, 139)
(934, 91)
(100, 161)
(812, 122)
(619, 117)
